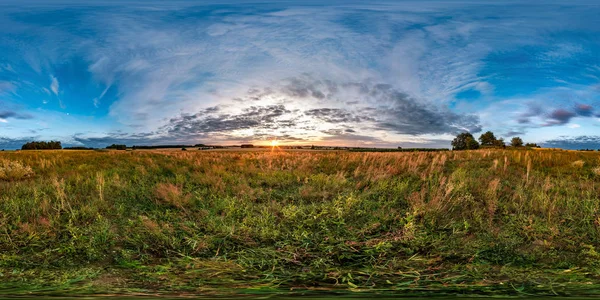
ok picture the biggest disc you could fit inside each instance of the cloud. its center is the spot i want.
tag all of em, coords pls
(54, 86)
(560, 117)
(14, 115)
(213, 120)
(14, 143)
(578, 142)
(306, 86)
(404, 114)
(382, 108)
(534, 109)
(336, 115)
(584, 110)
(7, 87)
(513, 133)
(548, 116)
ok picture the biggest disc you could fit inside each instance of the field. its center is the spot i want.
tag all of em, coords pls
(487, 222)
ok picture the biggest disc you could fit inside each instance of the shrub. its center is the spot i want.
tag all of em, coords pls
(14, 170)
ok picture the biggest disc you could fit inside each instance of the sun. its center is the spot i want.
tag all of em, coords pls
(274, 143)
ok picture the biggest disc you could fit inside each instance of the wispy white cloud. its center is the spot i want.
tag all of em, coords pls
(54, 85)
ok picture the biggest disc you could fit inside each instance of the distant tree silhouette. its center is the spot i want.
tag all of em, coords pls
(488, 139)
(516, 142)
(464, 141)
(500, 143)
(532, 145)
(42, 145)
(117, 147)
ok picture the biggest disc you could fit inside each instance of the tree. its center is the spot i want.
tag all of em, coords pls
(464, 141)
(117, 147)
(500, 143)
(42, 145)
(532, 145)
(488, 139)
(516, 142)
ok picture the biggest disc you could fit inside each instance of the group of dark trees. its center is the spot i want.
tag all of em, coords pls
(466, 141)
(42, 145)
(117, 147)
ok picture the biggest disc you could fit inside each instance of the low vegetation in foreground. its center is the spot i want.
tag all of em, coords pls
(478, 222)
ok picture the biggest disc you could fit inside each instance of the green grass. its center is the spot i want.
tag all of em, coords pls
(490, 222)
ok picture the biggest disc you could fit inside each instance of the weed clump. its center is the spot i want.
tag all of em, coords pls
(578, 163)
(14, 170)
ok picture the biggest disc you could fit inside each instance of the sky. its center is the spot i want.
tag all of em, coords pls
(353, 73)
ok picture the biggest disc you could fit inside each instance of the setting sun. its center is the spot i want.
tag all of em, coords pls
(274, 143)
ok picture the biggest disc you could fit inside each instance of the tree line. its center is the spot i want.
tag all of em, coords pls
(466, 141)
(51, 145)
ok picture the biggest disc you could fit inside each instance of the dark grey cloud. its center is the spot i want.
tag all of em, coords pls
(306, 86)
(514, 133)
(404, 114)
(255, 94)
(336, 115)
(578, 142)
(383, 105)
(7, 114)
(554, 116)
(212, 121)
(14, 143)
(584, 110)
(560, 117)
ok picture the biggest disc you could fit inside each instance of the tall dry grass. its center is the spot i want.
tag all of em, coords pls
(305, 214)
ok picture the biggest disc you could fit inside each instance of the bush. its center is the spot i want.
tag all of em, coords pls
(14, 170)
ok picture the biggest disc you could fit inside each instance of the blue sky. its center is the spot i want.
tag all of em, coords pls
(357, 73)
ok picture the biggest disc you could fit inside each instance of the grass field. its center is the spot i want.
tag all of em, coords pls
(477, 222)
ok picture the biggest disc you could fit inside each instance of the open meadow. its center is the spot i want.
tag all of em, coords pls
(476, 222)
